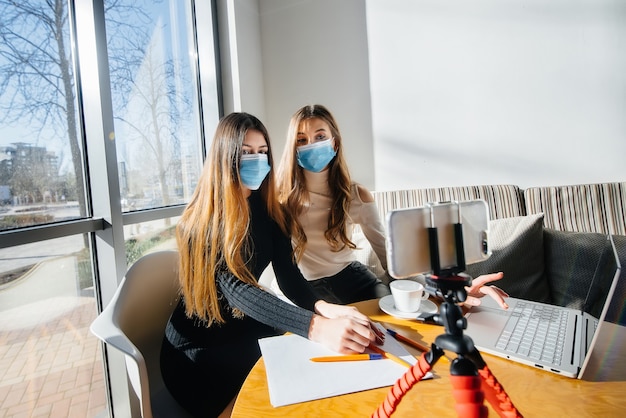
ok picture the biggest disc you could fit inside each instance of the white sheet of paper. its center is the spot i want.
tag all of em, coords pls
(292, 377)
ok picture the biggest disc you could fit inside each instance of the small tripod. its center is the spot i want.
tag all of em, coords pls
(470, 376)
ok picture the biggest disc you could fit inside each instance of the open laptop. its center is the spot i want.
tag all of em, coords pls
(579, 343)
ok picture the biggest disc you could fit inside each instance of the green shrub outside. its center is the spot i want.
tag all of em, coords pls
(18, 221)
(134, 250)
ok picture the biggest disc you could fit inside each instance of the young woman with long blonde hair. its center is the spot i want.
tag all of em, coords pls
(324, 205)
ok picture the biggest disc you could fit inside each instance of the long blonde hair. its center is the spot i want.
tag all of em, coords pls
(292, 184)
(213, 232)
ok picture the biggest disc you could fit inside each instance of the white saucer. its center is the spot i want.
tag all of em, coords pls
(387, 305)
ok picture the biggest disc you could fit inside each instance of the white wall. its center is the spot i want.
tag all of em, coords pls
(527, 92)
(240, 54)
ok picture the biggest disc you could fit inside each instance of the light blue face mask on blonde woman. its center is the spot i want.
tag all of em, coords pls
(253, 168)
(314, 157)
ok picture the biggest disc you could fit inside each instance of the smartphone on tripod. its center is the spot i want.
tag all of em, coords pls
(408, 248)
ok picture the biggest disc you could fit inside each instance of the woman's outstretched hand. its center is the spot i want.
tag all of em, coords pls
(479, 288)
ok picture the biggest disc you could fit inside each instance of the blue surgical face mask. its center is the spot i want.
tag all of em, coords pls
(314, 157)
(253, 168)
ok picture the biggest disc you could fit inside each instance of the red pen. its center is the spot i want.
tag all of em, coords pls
(408, 341)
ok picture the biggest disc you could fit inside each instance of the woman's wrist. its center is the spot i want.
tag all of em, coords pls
(314, 327)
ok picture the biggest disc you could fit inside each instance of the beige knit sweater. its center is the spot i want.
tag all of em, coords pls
(319, 260)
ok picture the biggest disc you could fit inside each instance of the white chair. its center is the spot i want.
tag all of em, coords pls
(134, 323)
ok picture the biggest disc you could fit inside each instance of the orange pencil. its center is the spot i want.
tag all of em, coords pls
(348, 357)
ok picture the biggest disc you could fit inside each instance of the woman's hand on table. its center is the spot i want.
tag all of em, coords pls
(343, 328)
(331, 310)
(479, 288)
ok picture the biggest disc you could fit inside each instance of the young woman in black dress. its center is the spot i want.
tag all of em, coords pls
(231, 230)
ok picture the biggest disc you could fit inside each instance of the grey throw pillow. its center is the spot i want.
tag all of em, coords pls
(517, 251)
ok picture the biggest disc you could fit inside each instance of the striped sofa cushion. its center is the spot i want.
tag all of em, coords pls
(580, 208)
(504, 201)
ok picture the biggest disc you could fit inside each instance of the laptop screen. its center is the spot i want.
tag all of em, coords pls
(606, 360)
(617, 308)
(600, 286)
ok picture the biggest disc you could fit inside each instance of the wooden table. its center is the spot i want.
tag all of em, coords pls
(534, 392)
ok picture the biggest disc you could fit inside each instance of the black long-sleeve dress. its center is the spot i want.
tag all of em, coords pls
(204, 367)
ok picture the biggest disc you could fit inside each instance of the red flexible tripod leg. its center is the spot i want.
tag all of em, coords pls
(494, 392)
(424, 364)
(496, 395)
(467, 389)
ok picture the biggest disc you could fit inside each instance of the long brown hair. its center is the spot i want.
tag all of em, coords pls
(292, 184)
(213, 232)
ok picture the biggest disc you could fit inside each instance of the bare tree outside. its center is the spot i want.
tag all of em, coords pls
(37, 91)
(151, 84)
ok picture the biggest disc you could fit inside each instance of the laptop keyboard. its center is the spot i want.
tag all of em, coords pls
(535, 331)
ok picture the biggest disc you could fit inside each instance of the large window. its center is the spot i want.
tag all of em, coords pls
(103, 109)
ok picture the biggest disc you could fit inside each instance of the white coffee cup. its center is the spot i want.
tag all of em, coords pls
(407, 295)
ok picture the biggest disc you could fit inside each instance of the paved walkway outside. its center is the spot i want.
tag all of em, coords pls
(50, 364)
